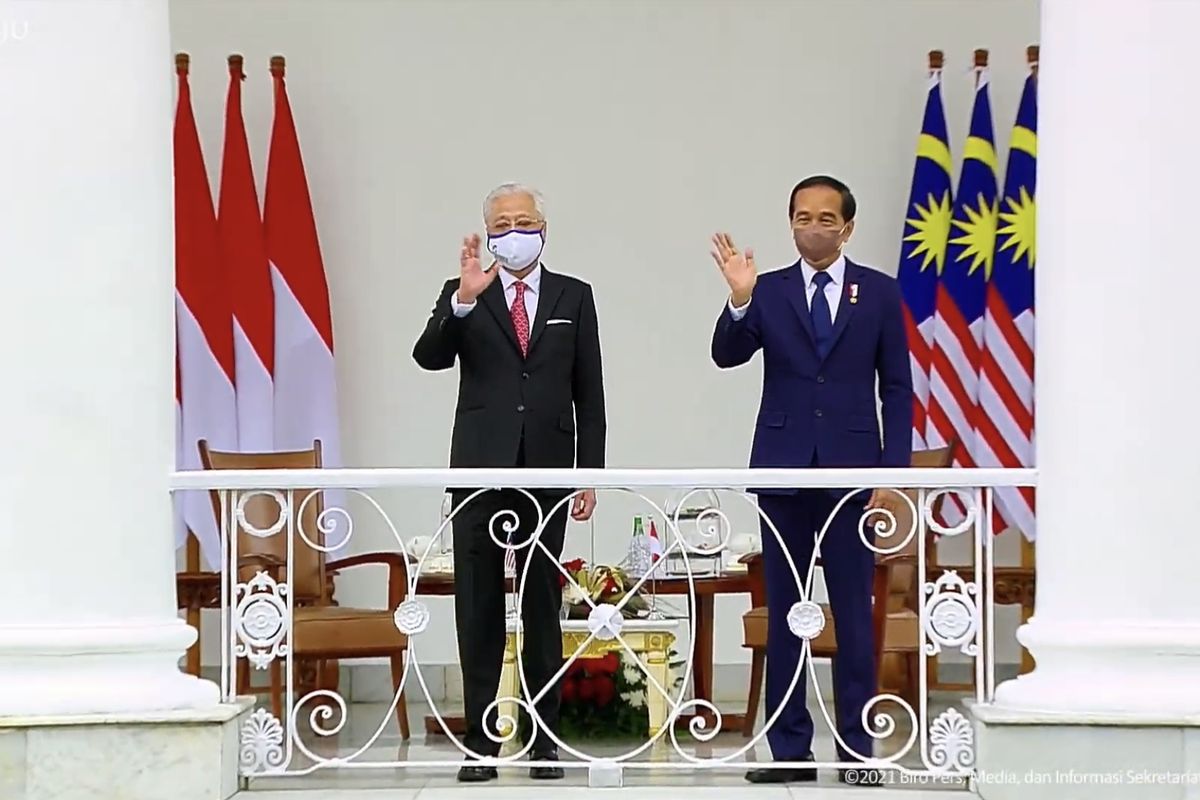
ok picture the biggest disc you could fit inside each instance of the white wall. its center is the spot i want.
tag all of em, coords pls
(648, 125)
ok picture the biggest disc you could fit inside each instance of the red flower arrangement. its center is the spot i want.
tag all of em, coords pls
(592, 680)
(601, 697)
(573, 566)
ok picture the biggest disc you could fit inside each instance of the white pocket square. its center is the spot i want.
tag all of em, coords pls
(558, 322)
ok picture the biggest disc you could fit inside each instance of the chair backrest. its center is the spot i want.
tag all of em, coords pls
(921, 459)
(262, 512)
(902, 589)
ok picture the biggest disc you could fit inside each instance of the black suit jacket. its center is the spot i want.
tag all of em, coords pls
(545, 399)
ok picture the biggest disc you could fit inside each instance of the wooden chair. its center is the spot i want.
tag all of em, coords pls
(754, 627)
(895, 619)
(196, 590)
(321, 630)
(899, 669)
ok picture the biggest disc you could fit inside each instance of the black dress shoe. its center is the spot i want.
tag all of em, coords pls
(783, 775)
(546, 773)
(860, 777)
(472, 773)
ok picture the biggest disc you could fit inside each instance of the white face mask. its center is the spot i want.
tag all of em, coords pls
(516, 250)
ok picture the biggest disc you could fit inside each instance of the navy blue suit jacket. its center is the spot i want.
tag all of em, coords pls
(816, 411)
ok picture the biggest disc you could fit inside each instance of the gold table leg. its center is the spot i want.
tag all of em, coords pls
(510, 689)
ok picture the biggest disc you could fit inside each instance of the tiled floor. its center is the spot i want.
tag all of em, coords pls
(660, 772)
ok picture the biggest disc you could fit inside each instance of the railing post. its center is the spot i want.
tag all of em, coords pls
(605, 774)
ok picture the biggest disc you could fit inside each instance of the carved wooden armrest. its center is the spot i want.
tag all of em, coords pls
(266, 559)
(397, 571)
(197, 590)
(265, 562)
(751, 558)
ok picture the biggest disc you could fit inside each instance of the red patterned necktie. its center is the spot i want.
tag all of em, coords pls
(520, 318)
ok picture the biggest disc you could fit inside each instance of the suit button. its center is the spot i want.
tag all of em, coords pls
(520, 409)
(820, 379)
(818, 413)
(524, 376)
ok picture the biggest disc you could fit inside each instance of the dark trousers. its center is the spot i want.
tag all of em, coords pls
(848, 568)
(479, 606)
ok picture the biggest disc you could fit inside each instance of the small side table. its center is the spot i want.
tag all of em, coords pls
(651, 640)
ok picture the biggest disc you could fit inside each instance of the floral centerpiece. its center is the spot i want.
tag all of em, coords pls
(602, 698)
(600, 584)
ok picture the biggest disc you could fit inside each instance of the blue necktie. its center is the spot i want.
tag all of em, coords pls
(822, 318)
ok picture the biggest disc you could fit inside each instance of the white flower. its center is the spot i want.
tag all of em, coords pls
(572, 596)
(635, 699)
(632, 672)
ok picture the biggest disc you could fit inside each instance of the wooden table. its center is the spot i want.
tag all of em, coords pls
(702, 608)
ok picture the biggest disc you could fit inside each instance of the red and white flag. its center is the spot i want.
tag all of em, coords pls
(244, 251)
(305, 379)
(204, 320)
(656, 547)
(181, 529)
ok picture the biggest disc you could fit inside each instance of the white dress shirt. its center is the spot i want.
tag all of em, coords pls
(532, 281)
(833, 289)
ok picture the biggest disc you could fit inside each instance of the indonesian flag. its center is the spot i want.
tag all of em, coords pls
(656, 548)
(305, 385)
(181, 530)
(204, 321)
(244, 251)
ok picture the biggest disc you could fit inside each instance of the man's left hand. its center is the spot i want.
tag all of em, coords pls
(886, 500)
(583, 505)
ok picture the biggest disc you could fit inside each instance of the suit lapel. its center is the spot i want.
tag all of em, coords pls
(549, 291)
(797, 295)
(493, 298)
(845, 307)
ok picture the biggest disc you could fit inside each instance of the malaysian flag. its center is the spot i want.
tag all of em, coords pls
(923, 250)
(961, 293)
(1004, 427)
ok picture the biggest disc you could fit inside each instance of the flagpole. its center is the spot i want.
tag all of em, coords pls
(981, 63)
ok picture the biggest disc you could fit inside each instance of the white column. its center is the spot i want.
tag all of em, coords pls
(1117, 624)
(87, 601)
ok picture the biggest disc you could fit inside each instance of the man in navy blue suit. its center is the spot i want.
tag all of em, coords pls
(829, 329)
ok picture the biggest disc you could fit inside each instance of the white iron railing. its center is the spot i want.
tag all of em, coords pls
(954, 613)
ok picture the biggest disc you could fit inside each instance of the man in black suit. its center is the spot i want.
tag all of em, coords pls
(531, 394)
